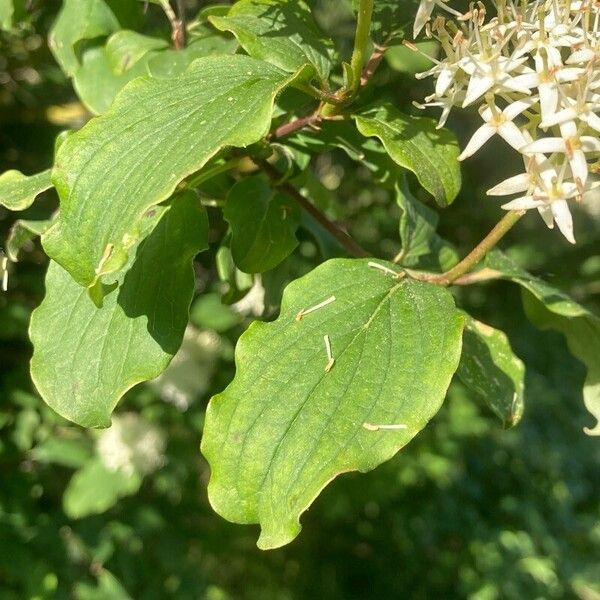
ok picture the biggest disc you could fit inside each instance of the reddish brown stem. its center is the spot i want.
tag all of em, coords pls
(372, 64)
(352, 247)
(293, 126)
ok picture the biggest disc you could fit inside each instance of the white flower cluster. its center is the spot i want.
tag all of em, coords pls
(131, 445)
(533, 72)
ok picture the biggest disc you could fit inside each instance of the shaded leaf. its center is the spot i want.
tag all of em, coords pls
(18, 191)
(392, 20)
(282, 32)
(263, 224)
(85, 358)
(422, 247)
(489, 368)
(415, 144)
(548, 307)
(285, 426)
(583, 338)
(122, 163)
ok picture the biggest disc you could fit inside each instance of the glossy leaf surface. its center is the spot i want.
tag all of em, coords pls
(291, 421)
(415, 144)
(156, 133)
(282, 32)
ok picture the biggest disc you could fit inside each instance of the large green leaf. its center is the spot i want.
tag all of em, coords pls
(422, 247)
(263, 224)
(80, 20)
(282, 32)
(415, 144)
(156, 133)
(18, 191)
(489, 368)
(290, 421)
(85, 358)
(548, 307)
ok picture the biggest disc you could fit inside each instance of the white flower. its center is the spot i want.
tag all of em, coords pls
(501, 123)
(131, 445)
(533, 71)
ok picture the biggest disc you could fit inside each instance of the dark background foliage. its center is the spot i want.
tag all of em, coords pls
(468, 510)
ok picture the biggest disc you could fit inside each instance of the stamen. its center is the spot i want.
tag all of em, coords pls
(330, 359)
(306, 311)
(393, 427)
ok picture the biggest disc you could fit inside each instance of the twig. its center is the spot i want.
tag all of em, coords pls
(177, 24)
(372, 64)
(363, 29)
(309, 121)
(352, 247)
(477, 254)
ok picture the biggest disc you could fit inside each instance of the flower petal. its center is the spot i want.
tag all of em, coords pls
(512, 185)
(545, 145)
(480, 137)
(523, 203)
(563, 218)
(509, 132)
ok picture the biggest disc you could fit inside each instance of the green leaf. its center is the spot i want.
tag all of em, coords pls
(96, 83)
(18, 191)
(94, 489)
(392, 20)
(583, 339)
(168, 63)
(415, 144)
(6, 14)
(422, 247)
(548, 307)
(282, 32)
(263, 224)
(69, 452)
(85, 358)
(131, 158)
(125, 48)
(80, 20)
(23, 232)
(285, 426)
(489, 368)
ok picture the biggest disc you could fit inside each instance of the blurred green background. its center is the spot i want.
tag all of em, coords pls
(467, 510)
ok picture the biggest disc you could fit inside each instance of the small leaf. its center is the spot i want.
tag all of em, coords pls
(548, 307)
(125, 48)
(131, 158)
(80, 20)
(422, 247)
(18, 191)
(96, 83)
(21, 233)
(415, 144)
(263, 224)
(292, 420)
(85, 358)
(282, 32)
(94, 489)
(489, 368)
